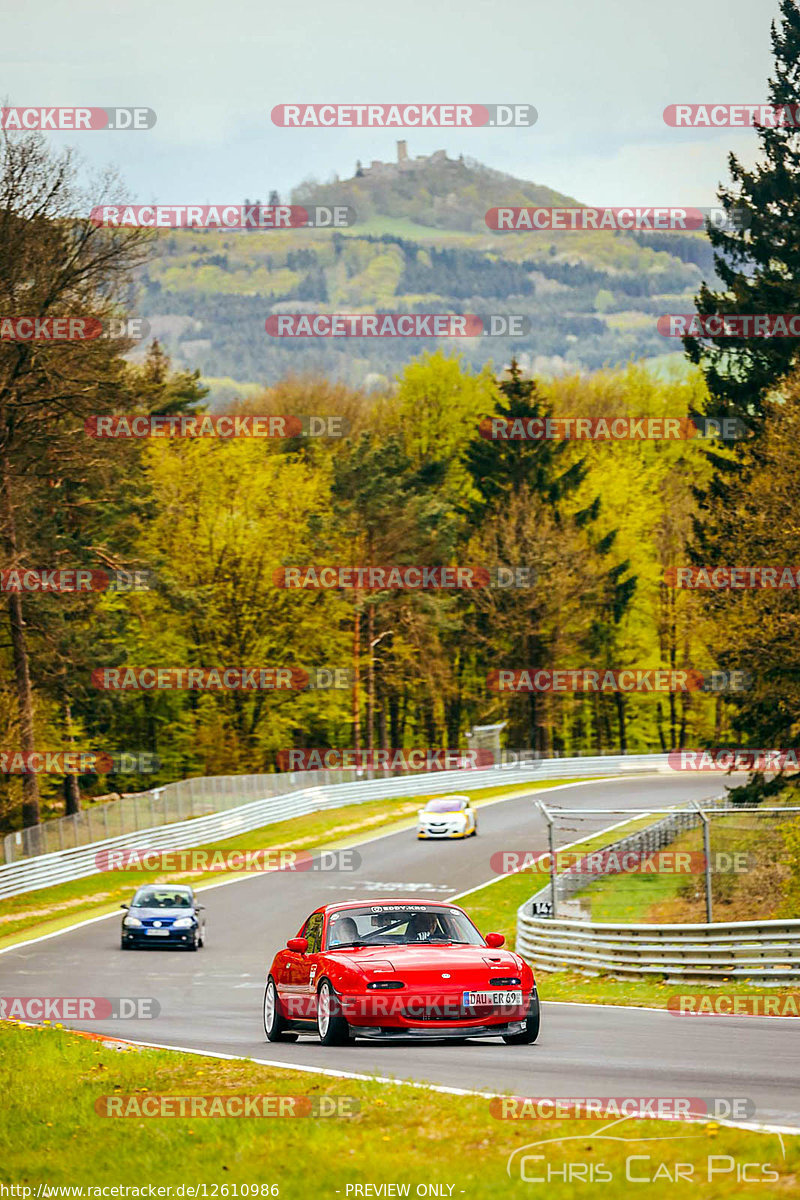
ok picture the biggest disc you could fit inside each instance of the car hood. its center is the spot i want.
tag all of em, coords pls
(168, 914)
(423, 960)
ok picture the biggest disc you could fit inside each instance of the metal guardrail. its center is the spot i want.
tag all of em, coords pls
(187, 798)
(302, 795)
(758, 951)
(179, 801)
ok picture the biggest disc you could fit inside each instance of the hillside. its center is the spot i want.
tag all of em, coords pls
(433, 190)
(420, 243)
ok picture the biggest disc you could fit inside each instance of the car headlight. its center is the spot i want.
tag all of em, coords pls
(183, 923)
(131, 921)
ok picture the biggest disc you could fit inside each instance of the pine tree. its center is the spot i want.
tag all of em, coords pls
(758, 261)
(502, 466)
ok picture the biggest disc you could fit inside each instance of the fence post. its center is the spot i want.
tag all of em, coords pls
(548, 817)
(707, 855)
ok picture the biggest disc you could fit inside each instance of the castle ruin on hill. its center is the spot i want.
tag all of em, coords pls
(404, 163)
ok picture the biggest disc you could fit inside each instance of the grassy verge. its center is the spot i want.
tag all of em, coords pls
(750, 875)
(50, 909)
(52, 1133)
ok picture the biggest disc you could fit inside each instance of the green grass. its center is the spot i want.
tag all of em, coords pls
(378, 225)
(50, 909)
(52, 1133)
(667, 897)
(628, 898)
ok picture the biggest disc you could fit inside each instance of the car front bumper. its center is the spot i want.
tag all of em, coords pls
(436, 1032)
(426, 1015)
(175, 937)
(424, 831)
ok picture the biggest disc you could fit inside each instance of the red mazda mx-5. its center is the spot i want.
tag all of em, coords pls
(398, 969)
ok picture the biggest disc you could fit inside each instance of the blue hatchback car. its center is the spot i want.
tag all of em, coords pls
(163, 914)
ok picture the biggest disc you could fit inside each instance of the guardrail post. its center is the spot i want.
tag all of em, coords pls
(550, 823)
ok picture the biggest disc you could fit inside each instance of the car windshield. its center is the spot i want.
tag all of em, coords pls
(399, 925)
(444, 806)
(162, 897)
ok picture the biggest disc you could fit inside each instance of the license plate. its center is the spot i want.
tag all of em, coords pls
(499, 999)
(157, 932)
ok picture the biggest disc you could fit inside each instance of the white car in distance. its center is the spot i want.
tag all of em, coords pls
(447, 817)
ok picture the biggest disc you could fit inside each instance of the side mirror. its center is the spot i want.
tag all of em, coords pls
(124, 906)
(199, 907)
(298, 945)
(495, 940)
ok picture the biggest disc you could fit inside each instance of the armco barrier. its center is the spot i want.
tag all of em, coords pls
(758, 951)
(203, 795)
(300, 796)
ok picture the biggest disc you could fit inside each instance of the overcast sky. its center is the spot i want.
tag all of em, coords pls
(599, 72)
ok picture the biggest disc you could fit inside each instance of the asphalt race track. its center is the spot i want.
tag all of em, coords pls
(211, 1000)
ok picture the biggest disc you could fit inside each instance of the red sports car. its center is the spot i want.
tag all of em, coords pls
(398, 969)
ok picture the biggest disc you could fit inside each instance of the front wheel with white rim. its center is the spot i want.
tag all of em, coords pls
(332, 1028)
(274, 1024)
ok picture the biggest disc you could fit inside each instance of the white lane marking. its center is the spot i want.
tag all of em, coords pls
(259, 874)
(648, 1008)
(427, 1087)
(44, 937)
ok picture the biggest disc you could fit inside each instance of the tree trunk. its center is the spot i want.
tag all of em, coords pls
(72, 794)
(371, 678)
(356, 675)
(394, 717)
(22, 675)
(623, 744)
